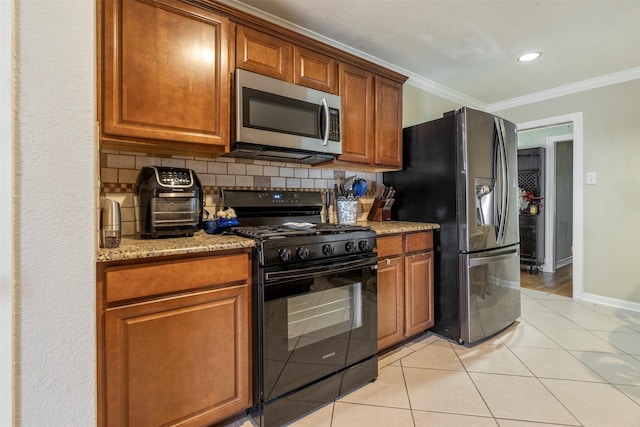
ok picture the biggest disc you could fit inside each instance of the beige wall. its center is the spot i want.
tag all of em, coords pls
(419, 106)
(611, 118)
(611, 127)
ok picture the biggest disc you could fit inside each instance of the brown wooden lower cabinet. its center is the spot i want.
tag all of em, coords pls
(405, 286)
(390, 301)
(178, 359)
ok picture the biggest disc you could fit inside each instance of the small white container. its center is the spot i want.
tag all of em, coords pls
(347, 211)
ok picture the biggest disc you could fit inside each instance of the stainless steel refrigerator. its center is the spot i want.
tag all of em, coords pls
(461, 171)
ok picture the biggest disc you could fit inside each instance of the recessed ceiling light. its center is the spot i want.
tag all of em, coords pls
(528, 56)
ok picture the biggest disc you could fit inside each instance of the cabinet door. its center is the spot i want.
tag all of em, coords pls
(388, 122)
(356, 90)
(315, 70)
(165, 73)
(264, 54)
(419, 292)
(390, 302)
(182, 360)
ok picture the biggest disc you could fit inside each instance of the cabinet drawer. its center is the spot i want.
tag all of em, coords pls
(130, 282)
(421, 241)
(389, 246)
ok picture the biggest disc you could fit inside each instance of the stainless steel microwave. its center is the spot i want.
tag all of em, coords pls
(277, 120)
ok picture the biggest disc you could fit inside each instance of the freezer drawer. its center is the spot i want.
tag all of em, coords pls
(489, 292)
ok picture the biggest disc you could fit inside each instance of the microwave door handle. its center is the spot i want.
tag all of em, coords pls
(325, 108)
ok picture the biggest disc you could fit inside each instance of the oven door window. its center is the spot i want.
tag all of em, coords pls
(316, 326)
(314, 316)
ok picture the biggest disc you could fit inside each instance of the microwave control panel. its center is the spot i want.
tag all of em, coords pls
(334, 124)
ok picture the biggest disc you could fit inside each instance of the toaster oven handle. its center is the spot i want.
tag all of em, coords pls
(185, 194)
(325, 108)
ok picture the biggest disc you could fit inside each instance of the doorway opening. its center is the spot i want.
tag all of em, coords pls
(563, 193)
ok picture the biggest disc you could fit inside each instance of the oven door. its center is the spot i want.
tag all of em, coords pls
(317, 320)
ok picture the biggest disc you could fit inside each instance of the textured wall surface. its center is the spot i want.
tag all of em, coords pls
(6, 227)
(54, 220)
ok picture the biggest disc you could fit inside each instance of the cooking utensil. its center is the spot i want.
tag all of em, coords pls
(327, 205)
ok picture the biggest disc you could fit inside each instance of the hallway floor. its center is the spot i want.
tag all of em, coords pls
(559, 282)
(564, 362)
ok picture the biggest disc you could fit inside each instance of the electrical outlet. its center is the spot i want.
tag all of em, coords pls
(592, 178)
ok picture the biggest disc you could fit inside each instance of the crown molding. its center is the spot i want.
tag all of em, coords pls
(311, 34)
(414, 79)
(584, 85)
(441, 90)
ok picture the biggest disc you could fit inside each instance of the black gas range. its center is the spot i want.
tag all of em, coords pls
(314, 303)
(287, 245)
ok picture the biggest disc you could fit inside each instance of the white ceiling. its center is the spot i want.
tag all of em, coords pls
(466, 50)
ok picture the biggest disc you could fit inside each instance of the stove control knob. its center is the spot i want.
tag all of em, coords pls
(364, 245)
(328, 250)
(350, 247)
(285, 254)
(303, 253)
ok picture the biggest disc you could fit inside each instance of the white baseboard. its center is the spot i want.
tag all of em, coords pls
(561, 263)
(613, 302)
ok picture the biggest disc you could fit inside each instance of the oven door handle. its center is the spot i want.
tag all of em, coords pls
(339, 267)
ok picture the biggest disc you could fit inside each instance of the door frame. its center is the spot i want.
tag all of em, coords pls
(550, 201)
(576, 119)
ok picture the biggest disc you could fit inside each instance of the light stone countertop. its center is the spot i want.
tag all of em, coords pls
(201, 242)
(394, 227)
(132, 248)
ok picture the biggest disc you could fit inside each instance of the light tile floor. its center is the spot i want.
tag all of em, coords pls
(563, 363)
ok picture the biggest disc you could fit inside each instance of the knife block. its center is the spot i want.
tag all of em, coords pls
(378, 212)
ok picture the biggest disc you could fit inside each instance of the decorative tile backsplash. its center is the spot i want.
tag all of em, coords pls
(119, 170)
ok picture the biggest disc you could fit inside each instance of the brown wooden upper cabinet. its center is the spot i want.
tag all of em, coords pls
(372, 119)
(315, 70)
(164, 76)
(165, 80)
(274, 57)
(388, 123)
(264, 54)
(357, 92)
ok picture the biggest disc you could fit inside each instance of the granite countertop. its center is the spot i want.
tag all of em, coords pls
(394, 227)
(132, 248)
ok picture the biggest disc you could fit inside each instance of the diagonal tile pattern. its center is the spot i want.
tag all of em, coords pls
(563, 363)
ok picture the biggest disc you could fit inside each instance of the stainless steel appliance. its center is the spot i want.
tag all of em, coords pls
(168, 202)
(315, 303)
(461, 172)
(281, 121)
(110, 224)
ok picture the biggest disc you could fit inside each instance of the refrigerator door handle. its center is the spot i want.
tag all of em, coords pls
(507, 198)
(504, 180)
(475, 262)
